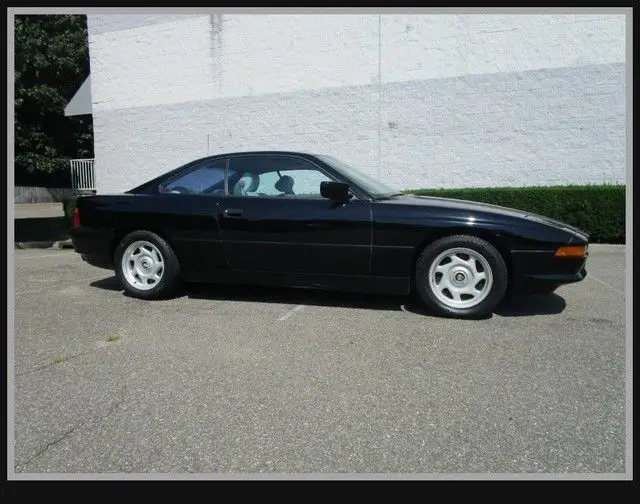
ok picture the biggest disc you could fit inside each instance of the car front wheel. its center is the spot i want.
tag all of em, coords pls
(146, 266)
(461, 276)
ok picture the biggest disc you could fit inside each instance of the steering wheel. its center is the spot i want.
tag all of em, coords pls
(180, 190)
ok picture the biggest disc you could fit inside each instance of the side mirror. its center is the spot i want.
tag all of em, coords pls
(335, 191)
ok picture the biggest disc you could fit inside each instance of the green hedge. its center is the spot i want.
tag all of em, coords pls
(597, 209)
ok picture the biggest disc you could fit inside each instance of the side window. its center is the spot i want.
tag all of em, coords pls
(205, 178)
(267, 185)
(306, 183)
(275, 176)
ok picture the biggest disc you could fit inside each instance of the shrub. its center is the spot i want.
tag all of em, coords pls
(68, 205)
(597, 209)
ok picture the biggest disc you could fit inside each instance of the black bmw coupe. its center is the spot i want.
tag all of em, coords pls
(309, 220)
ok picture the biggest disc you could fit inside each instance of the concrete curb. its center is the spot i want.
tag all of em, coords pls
(63, 244)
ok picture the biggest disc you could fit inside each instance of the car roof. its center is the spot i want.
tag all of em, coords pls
(263, 153)
(245, 153)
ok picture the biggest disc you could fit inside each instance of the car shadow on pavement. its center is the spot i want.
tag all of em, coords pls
(282, 295)
(110, 283)
(285, 295)
(521, 306)
(535, 304)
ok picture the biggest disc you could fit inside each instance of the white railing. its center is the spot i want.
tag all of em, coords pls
(82, 175)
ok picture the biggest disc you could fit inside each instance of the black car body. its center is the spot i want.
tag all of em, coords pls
(347, 232)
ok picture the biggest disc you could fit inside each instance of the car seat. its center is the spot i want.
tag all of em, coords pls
(247, 184)
(285, 185)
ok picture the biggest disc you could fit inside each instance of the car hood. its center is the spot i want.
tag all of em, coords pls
(485, 208)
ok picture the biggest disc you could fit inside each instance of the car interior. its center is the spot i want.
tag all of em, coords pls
(246, 185)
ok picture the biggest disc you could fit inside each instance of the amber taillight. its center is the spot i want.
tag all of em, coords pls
(76, 217)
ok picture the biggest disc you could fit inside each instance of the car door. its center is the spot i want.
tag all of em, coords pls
(268, 226)
(188, 215)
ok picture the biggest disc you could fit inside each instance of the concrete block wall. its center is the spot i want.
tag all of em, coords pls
(417, 100)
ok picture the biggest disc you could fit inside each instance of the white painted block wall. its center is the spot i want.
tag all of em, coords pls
(417, 100)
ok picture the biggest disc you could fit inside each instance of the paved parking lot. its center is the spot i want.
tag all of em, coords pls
(246, 380)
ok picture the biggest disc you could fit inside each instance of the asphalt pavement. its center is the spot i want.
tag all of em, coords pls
(249, 380)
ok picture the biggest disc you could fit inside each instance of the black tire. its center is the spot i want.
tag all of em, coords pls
(171, 272)
(493, 258)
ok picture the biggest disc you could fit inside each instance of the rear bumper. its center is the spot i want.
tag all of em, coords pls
(93, 245)
(534, 272)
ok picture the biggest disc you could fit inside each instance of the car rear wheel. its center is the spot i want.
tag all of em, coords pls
(461, 276)
(147, 266)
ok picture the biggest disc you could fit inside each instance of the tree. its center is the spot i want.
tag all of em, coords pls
(51, 62)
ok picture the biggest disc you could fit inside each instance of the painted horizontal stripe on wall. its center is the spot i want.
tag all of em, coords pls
(186, 58)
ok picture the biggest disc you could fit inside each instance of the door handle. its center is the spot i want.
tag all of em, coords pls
(233, 213)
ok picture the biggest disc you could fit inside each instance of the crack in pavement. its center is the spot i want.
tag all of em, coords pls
(64, 359)
(54, 363)
(42, 451)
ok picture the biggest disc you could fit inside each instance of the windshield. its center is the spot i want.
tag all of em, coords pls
(374, 187)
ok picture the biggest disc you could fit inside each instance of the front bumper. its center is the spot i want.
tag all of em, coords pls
(540, 271)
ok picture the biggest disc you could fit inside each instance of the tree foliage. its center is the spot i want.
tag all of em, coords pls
(51, 62)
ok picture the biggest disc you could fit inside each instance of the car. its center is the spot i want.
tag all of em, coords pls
(310, 220)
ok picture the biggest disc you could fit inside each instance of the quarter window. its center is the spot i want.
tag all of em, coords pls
(205, 178)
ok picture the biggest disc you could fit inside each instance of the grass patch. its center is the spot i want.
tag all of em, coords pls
(113, 337)
(59, 360)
